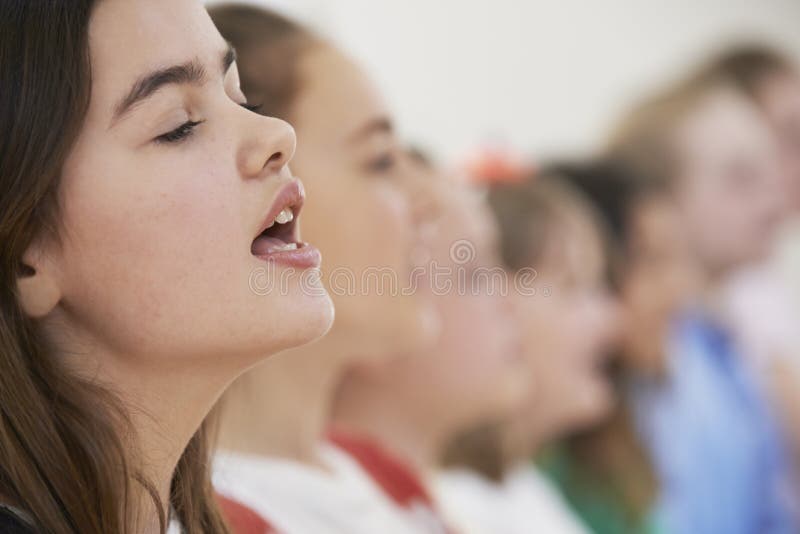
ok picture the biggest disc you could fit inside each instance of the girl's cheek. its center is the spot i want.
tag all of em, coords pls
(392, 202)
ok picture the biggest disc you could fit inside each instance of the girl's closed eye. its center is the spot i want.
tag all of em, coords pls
(185, 130)
(382, 164)
(179, 134)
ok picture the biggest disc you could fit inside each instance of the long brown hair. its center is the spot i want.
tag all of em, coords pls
(63, 458)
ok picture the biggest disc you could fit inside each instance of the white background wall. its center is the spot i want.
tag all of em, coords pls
(545, 76)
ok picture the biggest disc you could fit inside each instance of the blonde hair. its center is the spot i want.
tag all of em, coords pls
(644, 139)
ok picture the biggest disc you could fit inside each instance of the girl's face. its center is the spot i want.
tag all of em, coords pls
(569, 326)
(731, 188)
(163, 199)
(659, 279)
(475, 371)
(360, 212)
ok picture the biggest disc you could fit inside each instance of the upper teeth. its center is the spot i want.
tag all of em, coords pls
(285, 216)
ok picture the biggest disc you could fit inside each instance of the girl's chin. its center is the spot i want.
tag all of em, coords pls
(414, 329)
(307, 327)
(429, 323)
(598, 403)
(322, 321)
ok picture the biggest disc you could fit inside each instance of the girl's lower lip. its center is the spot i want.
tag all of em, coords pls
(305, 257)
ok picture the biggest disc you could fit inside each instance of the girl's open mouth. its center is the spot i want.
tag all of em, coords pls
(279, 239)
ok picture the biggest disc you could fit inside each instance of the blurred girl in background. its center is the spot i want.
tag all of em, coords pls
(138, 188)
(763, 301)
(365, 213)
(397, 416)
(710, 433)
(605, 471)
(489, 483)
(771, 81)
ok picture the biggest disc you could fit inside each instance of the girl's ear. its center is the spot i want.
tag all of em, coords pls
(38, 289)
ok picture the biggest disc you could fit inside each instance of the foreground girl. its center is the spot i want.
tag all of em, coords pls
(139, 194)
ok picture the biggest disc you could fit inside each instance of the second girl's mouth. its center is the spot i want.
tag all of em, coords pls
(279, 237)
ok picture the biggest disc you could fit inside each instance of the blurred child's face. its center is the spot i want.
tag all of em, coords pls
(731, 189)
(657, 280)
(359, 211)
(477, 367)
(569, 326)
(475, 370)
(780, 101)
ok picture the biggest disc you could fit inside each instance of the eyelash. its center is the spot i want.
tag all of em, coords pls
(185, 130)
(179, 134)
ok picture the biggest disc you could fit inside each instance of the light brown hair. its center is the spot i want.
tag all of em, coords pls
(750, 66)
(644, 139)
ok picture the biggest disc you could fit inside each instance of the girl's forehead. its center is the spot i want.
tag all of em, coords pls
(129, 39)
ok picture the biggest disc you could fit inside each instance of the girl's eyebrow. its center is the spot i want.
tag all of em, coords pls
(376, 125)
(191, 72)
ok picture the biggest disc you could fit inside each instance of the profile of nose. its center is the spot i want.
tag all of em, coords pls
(269, 148)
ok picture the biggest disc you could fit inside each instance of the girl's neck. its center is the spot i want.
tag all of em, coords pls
(415, 435)
(521, 440)
(280, 409)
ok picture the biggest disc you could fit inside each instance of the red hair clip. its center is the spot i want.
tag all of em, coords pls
(497, 166)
